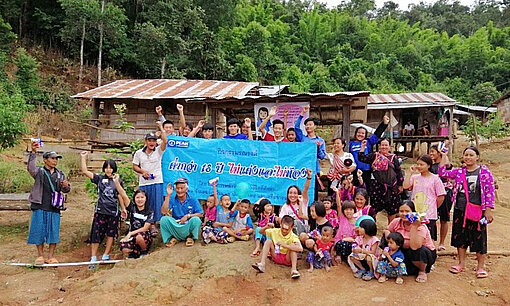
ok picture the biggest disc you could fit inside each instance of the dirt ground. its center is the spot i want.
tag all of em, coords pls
(222, 275)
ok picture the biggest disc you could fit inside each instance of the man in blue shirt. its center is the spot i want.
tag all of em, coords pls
(310, 126)
(184, 224)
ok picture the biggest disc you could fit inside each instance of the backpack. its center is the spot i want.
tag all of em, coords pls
(384, 169)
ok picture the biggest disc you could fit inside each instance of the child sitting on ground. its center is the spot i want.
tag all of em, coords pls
(210, 210)
(242, 225)
(267, 220)
(283, 245)
(138, 240)
(345, 233)
(223, 220)
(321, 257)
(363, 258)
(392, 259)
(317, 222)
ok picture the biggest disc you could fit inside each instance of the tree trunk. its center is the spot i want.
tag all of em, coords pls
(100, 57)
(163, 66)
(80, 77)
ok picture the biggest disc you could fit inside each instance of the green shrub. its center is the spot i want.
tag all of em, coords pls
(14, 178)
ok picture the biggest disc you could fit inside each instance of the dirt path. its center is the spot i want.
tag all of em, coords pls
(221, 275)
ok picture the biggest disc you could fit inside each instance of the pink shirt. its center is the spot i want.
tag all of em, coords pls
(432, 187)
(397, 225)
(345, 229)
(332, 217)
(367, 245)
(210, 213)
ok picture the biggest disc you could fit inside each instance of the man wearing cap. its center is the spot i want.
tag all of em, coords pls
(147, 163)
(184, 224)
(45, 221)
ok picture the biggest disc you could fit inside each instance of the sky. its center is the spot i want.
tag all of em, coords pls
(402, 4)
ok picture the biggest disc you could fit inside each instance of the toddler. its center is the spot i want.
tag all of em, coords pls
(242, 225)
(210, 210)
(321, 257)
(345, 232)
(331, 214)
(363, 257)
(223, 220)
(392, 259)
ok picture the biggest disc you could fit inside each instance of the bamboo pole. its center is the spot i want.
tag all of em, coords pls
(63, 264)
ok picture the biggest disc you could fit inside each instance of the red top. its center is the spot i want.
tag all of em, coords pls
(269, 137)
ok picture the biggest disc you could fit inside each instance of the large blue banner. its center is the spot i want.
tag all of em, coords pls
(253, 169)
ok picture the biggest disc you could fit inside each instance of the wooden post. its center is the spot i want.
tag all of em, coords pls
(450, 135)
(391, 131)
(346, 123)
(94, 117)
(474, 129)
(213, 119)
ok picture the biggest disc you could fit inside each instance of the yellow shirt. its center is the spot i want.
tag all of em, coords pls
(275, 234)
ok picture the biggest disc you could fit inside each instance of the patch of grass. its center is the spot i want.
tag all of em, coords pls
(13, 229)
(69, 163)
(14, 178)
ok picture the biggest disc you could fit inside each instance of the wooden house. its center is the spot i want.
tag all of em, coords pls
(503, 105)
(216, 101)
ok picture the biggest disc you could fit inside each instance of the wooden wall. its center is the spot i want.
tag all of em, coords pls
(504, 109)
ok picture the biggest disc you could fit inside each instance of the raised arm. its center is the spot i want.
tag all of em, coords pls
(165, 207)
(247, 121)
(309, 176)
(31, 166)
(83, 165)
(285, 123)
(162, 147)
(195, 131)
(297, 124)
(215, 194)
(159, 111)
(182, 119)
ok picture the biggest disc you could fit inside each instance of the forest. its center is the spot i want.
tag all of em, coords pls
(446, 47)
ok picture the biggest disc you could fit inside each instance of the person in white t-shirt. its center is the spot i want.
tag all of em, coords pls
(408, 129)
(147, 163)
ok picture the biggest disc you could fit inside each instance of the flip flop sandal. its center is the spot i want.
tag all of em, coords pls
(295, 274)
(481, 273)
(189, 242)
(51, 261)
(457, 269)
(441, 248)
(244, 238)
(39, 261)
(172, 242)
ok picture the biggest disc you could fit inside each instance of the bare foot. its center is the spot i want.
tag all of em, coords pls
(310, 270)
(399, 280)
(327, 268)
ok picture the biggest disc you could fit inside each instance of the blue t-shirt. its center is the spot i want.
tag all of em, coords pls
(398, 256)
(222, 216)
(189, 206)
(238, 136)
(355, 147)
(300, 137)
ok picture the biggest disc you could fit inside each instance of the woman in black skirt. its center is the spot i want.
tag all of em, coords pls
(473, 196)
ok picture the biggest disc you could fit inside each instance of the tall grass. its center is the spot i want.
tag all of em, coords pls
(14, 178)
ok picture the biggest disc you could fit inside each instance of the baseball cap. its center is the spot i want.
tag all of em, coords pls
(49, 154)
(151, 136)
(181, 180)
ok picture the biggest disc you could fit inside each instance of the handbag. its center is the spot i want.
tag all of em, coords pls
(57, 198)
(472, 211)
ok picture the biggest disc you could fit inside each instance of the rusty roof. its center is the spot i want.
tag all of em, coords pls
(415, 97)
(148, 89)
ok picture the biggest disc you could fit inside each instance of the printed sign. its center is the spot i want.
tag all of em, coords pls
(293, 109)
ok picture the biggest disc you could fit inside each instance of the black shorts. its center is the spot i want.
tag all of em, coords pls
(104, 225)
(343, 249)
(432, 229)
(134, 247)
(473, 235)
(422, 254)
(444, 210)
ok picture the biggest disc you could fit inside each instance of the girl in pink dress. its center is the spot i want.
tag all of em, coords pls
(345, 233)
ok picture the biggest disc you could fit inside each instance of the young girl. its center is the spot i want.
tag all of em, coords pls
(345, 233)
(331, 214)
(296, 205)
(443, 211)
(106, 213)
(242, 225)
(342, 163)
(392, 259)
(138, 240)
(321, 255)
(363, 258)
(347, 189)
(223, 219)
(210, 210)
(267, 220)
(428, 186)
(362, 206)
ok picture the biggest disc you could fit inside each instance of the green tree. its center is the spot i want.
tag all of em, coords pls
(7, 37)
(27, 77)
(484, 94)
(12, 110)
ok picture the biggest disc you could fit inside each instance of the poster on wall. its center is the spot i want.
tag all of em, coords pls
(292, 109)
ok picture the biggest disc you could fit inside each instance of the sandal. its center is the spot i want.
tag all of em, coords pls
(382, 279)
(172, 242)
(457, 269)
(481, 273)
(39, 261)
(231, 239)
(422, 277)
(259, 267)
(189, 242)
(369, 275)
(399, 281)
(441, 248)
(52, 260)
(255, 254)
(295, 274)
(244, 237)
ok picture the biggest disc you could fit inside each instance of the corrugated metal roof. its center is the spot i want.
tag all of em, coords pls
(271, 90)
(149, 89)
(297, 96)
(417, 97)
(477, 108)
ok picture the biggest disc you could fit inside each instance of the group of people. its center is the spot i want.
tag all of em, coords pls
(339, 228)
